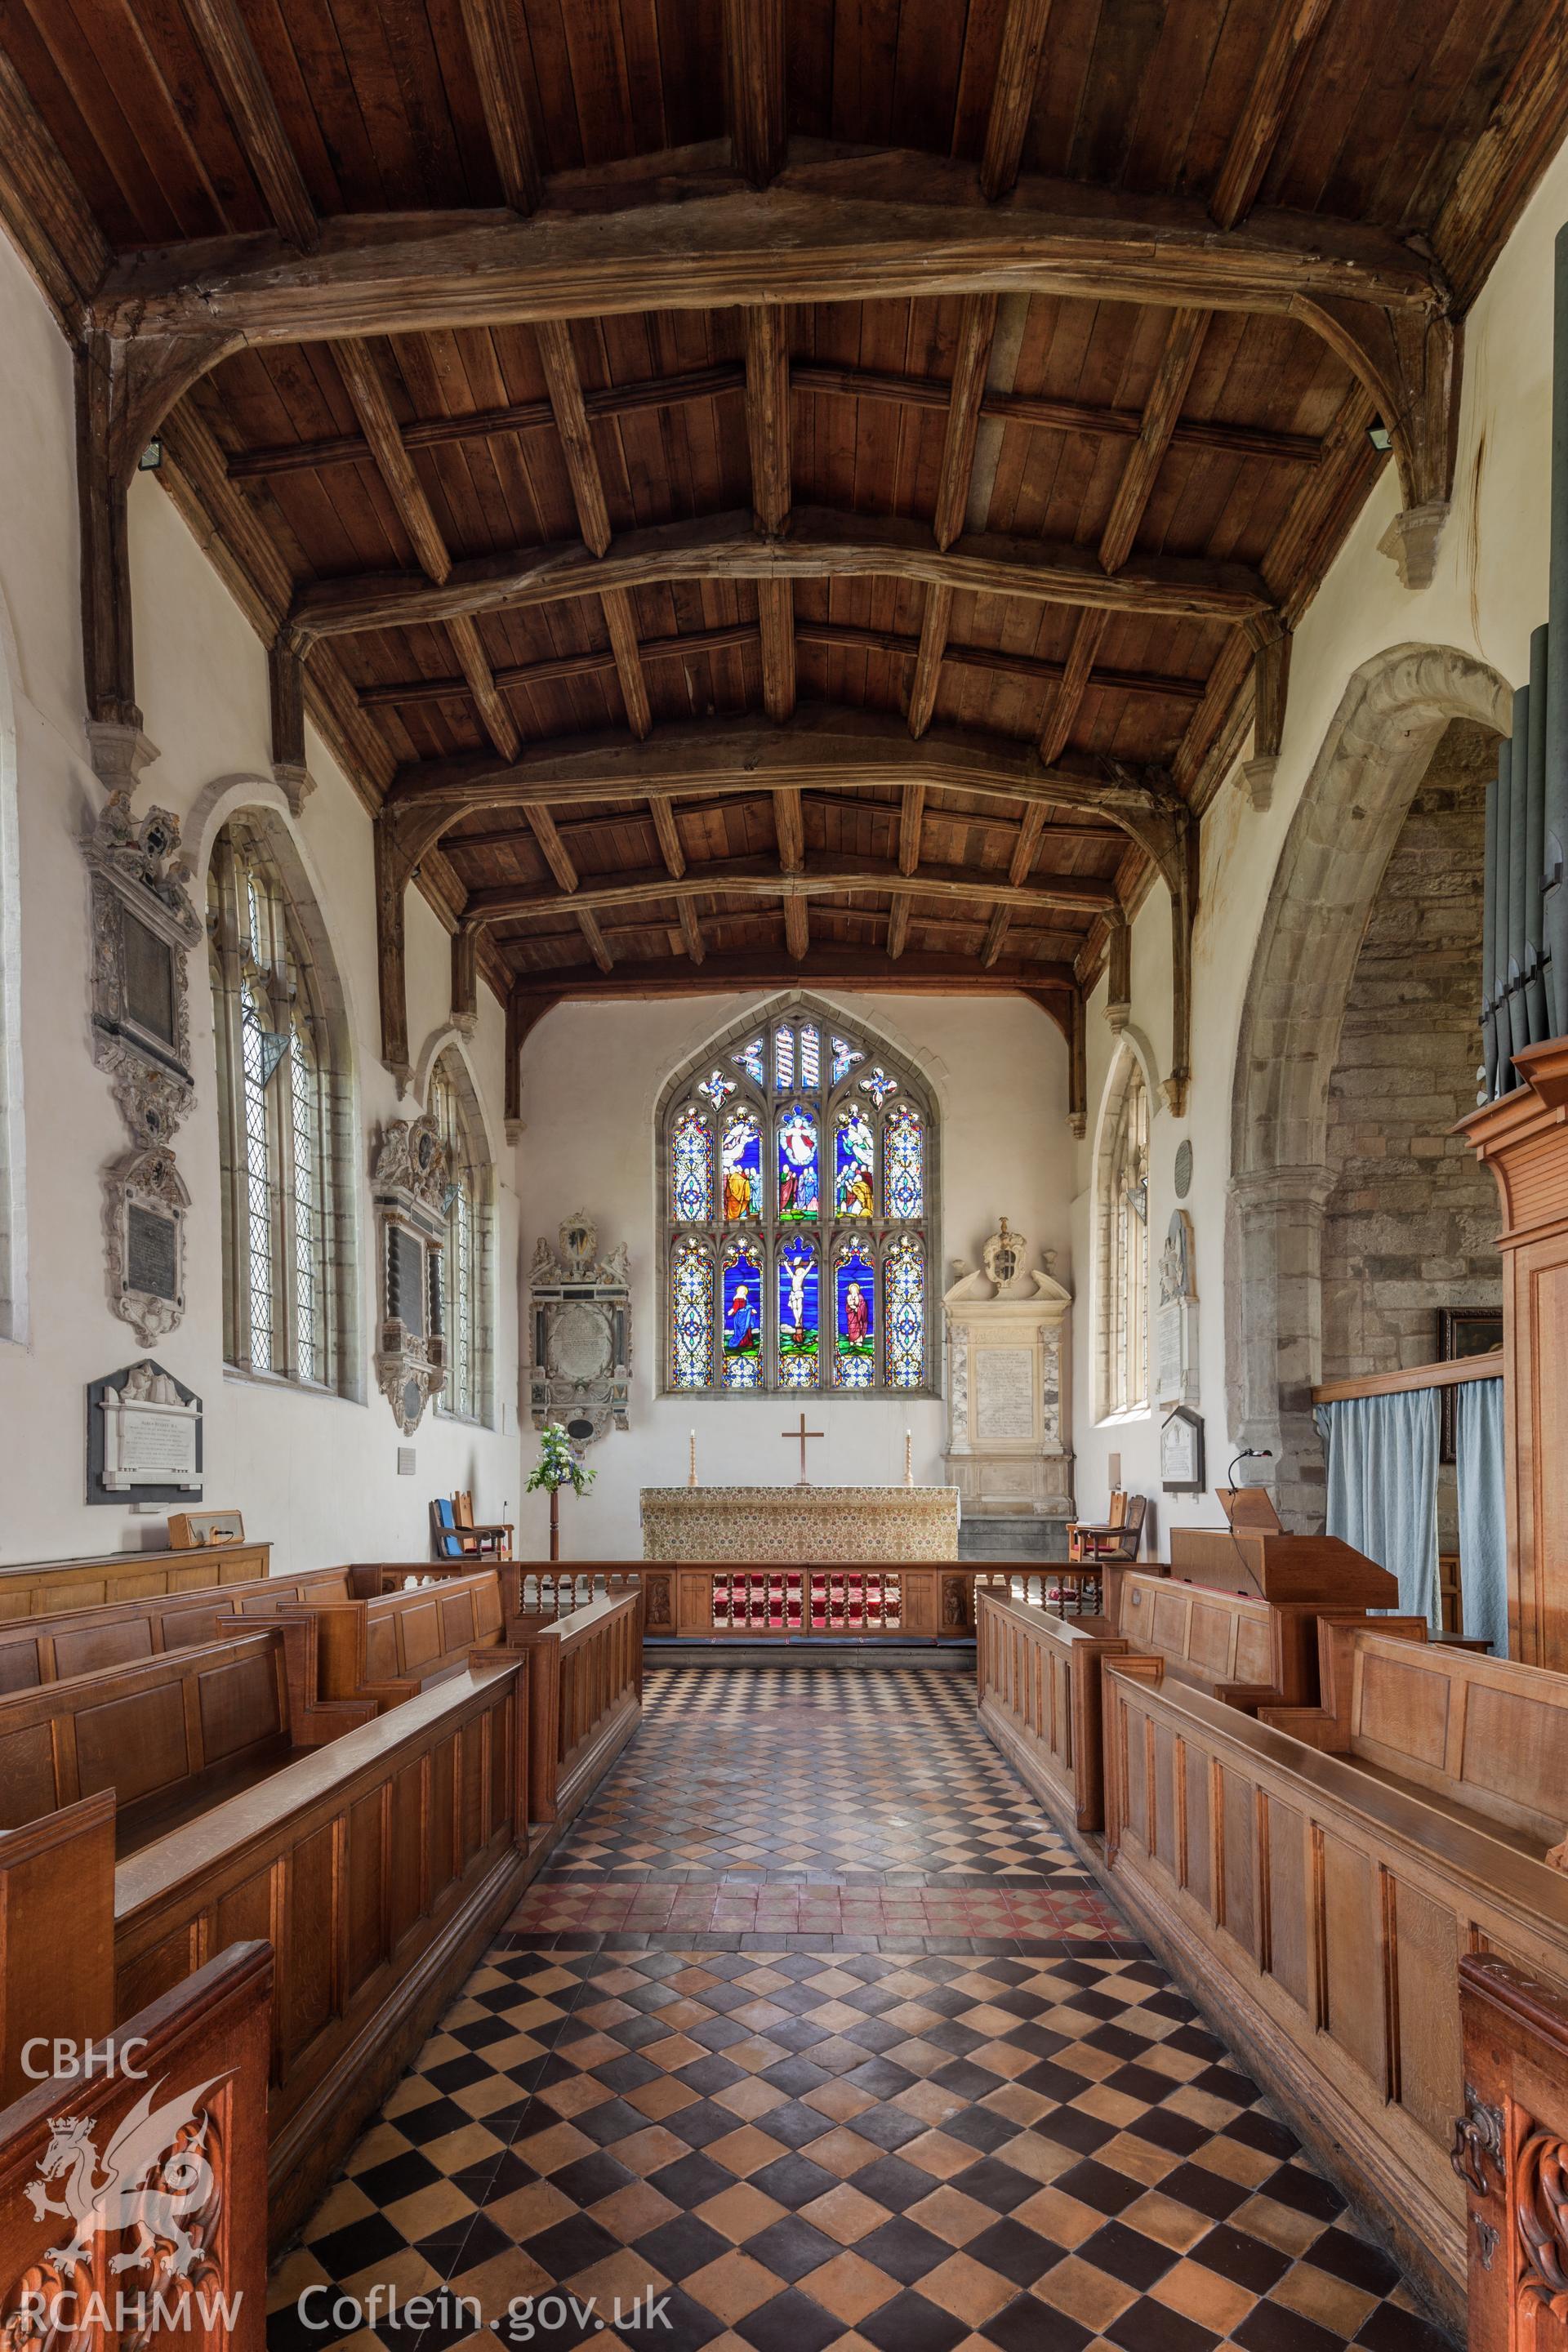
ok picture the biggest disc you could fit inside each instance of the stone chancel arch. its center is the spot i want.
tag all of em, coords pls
(1389, 719)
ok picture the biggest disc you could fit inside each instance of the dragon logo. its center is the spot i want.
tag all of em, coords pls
(154, 2181)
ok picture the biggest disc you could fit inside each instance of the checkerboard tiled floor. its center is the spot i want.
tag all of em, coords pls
(919, 2142)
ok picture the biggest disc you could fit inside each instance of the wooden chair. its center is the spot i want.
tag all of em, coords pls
(458, 1538)
(1115, 1539)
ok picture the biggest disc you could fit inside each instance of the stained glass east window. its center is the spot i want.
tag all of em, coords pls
(798, 1183)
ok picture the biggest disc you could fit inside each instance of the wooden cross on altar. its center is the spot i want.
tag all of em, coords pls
(801, 1433)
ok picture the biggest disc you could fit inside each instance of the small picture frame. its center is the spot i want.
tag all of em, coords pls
(204, 1530)
(1182, 1452)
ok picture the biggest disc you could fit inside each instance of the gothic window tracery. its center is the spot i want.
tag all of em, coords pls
(285, 1194)
(465, 1260)
(797, 1182)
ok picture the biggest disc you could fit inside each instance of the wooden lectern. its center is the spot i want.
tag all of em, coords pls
(1261, 1560)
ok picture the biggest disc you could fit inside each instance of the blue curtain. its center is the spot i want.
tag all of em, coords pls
(1382, 1488)
(1483, 1545)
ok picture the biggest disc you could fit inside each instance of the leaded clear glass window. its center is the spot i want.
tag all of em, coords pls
(466, 1261)
(282, 1209)
(798, 1185)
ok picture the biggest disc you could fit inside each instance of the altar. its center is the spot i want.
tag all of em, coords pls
(799, 1525)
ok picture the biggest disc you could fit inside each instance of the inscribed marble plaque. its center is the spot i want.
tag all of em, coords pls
(151, 1253)
(1003, 1392)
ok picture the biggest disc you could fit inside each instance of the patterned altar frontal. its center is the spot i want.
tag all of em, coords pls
(799, 1525)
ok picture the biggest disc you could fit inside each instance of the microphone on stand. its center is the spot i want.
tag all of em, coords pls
(1248, 1453)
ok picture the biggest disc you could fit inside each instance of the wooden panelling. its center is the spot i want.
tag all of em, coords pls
(41, 1587)
(368, 1915)
(1488, 1737)
(1523, 1140)
(1325, 1948)
(585, 1700)
(1039, 1699)
(154, 1732)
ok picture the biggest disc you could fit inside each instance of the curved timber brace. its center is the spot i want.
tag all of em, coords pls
(1409, 361)
(1171, 840)
(523, 1013)
(403, 836)
(125, 387)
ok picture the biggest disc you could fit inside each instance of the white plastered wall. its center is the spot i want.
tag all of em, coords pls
(317, 1474)
(1488, 593)
(592, 1076)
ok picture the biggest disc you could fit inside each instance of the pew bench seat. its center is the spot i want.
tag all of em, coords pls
(171, 1735)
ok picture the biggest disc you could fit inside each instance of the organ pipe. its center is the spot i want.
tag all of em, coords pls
(1537, 1022)
(1524, 951)
(1518, 864)
(1555, 924)
(1489, 1069)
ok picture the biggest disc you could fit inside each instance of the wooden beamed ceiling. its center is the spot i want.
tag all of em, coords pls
(751, 490)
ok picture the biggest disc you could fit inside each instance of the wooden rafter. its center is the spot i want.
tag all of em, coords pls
(754, 87)
(565, 386)
(497, 69)
(768, 440)
(366, 388)
(224, 39)
(991, 823)
(1013, 100)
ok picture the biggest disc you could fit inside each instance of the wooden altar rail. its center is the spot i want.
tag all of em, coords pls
(40, 1588)
(1317, 1906)
(698, 1602)
(205, 2048)
(1510, 2155)
(1451, 1375)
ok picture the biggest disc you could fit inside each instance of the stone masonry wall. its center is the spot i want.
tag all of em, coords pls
(1410, 1224)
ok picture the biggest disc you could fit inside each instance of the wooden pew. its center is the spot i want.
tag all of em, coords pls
(382, 1644)
(42, 1588)
(1483, 1740)
(35, 1650)
(379, 1867)
(1039, 1675)
(1038, 1680)
(389, 1647)
(169, 1734)
(1317, 1905)
(585, 1700)
(1510, 2151)
(204, 2045)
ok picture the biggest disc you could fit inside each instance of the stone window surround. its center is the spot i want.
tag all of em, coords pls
(451, 1062)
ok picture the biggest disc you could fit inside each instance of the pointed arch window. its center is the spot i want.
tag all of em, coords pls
(287, 1194)
(798, 1183)
(466, 1273)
